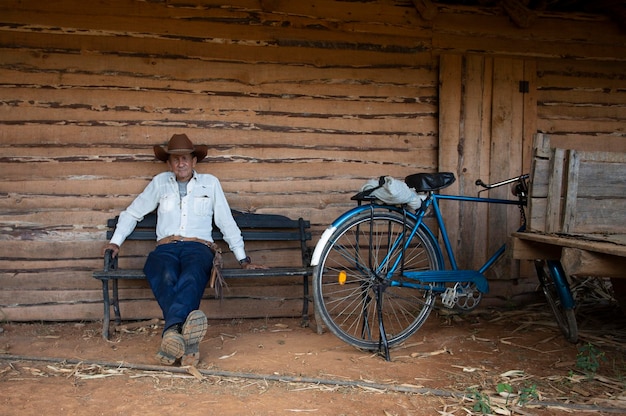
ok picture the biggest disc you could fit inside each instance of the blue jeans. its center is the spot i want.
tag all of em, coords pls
(178, 274)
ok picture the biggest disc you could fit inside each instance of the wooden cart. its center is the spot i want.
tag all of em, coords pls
(576, 218)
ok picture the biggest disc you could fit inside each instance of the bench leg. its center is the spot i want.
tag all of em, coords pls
(107, 309)
(305, 302)
(116, 304)
(319, 327)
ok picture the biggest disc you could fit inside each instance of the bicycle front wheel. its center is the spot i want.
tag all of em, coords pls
(354, 271)
(556, 289)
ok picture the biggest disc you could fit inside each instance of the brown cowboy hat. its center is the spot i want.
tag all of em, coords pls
(180, 144)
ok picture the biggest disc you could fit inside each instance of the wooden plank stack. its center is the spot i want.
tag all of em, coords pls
(577, 192)
(576, 210)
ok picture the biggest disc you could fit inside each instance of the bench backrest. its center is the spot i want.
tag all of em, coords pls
(254, 227)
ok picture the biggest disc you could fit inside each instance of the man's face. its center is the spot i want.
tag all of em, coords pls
(182, 166)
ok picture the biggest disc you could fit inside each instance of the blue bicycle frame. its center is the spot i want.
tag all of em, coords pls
(426, 279)
(561, 285)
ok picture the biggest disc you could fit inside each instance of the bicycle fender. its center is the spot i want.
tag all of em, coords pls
(317, 253)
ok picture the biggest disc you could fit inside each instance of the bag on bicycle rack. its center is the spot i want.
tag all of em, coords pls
(393, 192)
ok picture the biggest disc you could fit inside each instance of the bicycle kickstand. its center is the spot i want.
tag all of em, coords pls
(383, 343)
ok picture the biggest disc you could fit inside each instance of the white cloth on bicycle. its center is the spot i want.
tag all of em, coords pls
(394, 192)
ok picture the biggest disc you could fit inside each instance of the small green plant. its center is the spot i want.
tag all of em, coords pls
(527, 394)
(482, 403)
(506, 390)
(589, 358)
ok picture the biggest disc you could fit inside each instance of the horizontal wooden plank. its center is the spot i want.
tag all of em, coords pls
(299, 204)
(500, 46)
(103, 157)
(521, 249)
(24, 265)
(549, 37)
(583, 100)
(564, 125)
(395, 16)
(50, 280)
(355, 125)
(581, 87)
(577, 262)
(301, 170)
(581, 242)
(555, 28)
(591, 111)
(148, 309)
(278, 290)
(129, 28)
(54, 192)
(338, 193)
(138, 140)
(59, 250)
(156, 73)
(602, 179)
(321, 214)
(78, 257)
(417, 54)
(144, 19)
(559, 73)
(10, 298)
(27, 250)
(597, 216)
(82, 281)
(590, 142)
(205, 100)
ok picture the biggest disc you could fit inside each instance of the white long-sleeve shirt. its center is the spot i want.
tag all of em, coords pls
(190, 216)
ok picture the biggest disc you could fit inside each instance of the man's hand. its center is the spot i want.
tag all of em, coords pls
(113, 247)
(249, 266)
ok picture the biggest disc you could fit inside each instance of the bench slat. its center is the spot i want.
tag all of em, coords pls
(228, 273)
(245, 220)
(250, 235)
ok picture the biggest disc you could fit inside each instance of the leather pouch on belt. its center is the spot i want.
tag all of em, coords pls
(217, 281)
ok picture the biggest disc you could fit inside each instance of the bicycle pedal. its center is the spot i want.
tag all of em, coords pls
(450, 297)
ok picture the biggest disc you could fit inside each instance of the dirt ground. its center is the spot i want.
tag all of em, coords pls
(455, 365)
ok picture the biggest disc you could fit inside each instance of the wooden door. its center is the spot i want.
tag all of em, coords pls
(487, 110)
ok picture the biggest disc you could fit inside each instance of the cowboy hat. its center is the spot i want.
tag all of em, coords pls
(180, 144)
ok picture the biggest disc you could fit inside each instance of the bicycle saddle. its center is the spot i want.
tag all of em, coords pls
(425, 182)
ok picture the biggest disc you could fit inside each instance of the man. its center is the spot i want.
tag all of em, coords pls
(178, 269)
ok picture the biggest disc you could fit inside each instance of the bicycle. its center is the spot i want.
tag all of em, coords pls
(378, 268)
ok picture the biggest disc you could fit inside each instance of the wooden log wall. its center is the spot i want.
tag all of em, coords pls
(300, 103)
(583, 105)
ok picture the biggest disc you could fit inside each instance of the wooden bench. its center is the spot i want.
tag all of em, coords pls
(254, 227)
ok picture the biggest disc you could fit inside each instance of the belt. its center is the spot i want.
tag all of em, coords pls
(179, 239)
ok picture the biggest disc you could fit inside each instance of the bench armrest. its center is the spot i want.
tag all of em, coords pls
(110, 262)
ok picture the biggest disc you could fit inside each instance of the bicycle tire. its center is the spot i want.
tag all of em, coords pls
(348, 308)
(550, 278)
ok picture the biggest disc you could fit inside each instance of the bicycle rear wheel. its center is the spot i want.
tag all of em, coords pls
(353, 267)
(556, 289)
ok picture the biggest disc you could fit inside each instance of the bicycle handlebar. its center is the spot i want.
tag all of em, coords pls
(479, 182)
